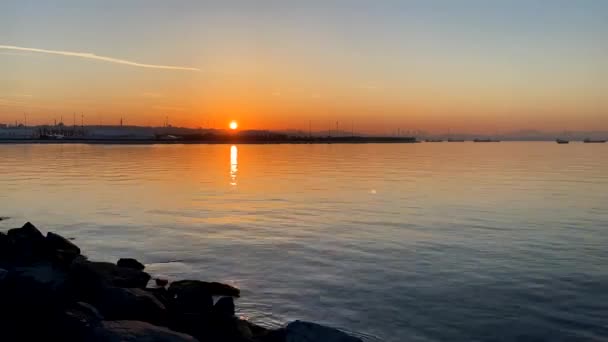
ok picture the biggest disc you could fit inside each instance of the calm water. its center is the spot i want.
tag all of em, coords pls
(424, 242)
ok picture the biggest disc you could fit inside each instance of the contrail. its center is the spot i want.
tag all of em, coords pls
(96, 57)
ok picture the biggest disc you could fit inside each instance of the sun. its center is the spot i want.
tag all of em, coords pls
(233, 125)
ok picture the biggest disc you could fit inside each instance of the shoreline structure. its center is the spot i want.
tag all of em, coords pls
(50, 291)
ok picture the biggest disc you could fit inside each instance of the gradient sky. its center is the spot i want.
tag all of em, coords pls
(470, 66)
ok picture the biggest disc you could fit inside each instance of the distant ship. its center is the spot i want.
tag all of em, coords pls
(52, 136)
(455, 140)
(594, 141)
(485, 140)
(562, 141)
(434, 140)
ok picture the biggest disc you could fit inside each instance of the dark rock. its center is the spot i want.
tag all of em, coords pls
(130, 263)
(88, 278)
(135, 331)
(224, 307)
(26, 244)
(243, 329)
(161, 282)
(3, 274)
(300, 331)
(78, 322)
(60, 247)
(160, 293)
(4, 248)
(132, 304)
(196, 286)
(2, 218)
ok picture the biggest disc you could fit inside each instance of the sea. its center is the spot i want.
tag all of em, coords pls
(390, 242)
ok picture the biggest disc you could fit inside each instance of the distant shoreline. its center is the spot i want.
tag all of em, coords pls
(220, 140)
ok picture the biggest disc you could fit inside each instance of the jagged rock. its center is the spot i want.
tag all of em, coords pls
(135, 331)
(224, 307)
(89, 278)
(132, 304)
(130, 263)
(183, 287)
(26, 244)
(60, 247)
(300, 331)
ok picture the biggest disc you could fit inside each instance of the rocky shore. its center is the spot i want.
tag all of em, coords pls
(50, 292)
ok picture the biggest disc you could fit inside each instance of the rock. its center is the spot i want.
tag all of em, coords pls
(89, 278)
(3, 274)
(135, 331)
(4, 248)
(161, 282)
(160, 293)
(78, 322)
(63, 249)
(132, 304)
(243, 329)
(130, 263)
(26, 244)
(2, 218)
(224, 307)
(196, 286)
(300, 331)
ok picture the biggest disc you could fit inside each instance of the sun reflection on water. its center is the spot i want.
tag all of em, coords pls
(233, 164)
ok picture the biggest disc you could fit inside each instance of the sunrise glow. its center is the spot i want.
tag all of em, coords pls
(233, 125)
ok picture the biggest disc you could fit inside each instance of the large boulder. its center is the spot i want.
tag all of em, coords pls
(26, 244)
(89, 278)
(132, 304)
(135, 331)
(130, 263)
(300, 331)
(61, 248)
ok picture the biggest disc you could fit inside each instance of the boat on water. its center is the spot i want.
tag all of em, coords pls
(434, 140)
(485, 140)
(594, 141)
(562, 141)
(455, 140)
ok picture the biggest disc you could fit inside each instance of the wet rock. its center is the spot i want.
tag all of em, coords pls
(300, 331)
(89, 278)
(26, 244)
(63, 249)
(130, 263)
(224, 307)
(135, 331)
(132, 304)
(196, 286)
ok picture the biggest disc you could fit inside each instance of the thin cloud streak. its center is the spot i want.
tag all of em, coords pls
(97, 57)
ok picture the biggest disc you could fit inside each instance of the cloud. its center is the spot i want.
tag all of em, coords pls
(88, 55)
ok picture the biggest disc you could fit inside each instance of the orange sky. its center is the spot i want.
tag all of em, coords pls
(475, 67)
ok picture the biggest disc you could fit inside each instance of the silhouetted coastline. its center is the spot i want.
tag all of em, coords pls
(219, 139)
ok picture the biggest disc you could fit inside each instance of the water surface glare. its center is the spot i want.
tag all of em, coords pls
(412, 242)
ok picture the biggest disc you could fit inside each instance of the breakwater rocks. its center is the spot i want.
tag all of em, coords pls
(50, 292)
